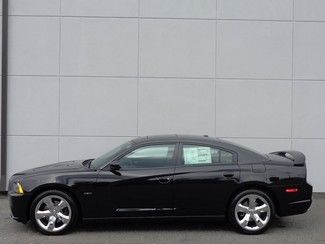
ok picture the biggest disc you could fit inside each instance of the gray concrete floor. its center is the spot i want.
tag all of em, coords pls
(306, 228)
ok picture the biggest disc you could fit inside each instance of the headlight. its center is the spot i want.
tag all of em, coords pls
(18, 188)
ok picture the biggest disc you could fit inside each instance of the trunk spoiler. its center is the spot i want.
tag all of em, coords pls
(296, 157)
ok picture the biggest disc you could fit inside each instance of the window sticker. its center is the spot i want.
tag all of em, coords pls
(197, 155)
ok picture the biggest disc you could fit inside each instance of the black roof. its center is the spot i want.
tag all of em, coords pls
(175, 137)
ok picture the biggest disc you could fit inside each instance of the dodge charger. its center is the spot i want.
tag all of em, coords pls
(167, 176)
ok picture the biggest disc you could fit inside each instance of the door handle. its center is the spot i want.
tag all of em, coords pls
(228, 175)
(164, 180)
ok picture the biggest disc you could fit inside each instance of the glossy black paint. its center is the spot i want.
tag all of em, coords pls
(176, 191)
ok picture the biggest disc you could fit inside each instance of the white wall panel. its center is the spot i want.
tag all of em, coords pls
(99, 46)
(255, 9)
(111, 8)
(308, 112)
(33, 45)
(309, 50)
(253, 108)
(34, 105)
(34, 7)
(176, 106)
(98, 106)
(178, 9)
(177, 48)
(254, 49)
(309, 10)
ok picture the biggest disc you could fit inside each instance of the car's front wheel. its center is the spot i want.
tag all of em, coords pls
(53, 212)
(251, 211)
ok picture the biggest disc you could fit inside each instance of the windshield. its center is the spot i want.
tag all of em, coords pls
(107, 157)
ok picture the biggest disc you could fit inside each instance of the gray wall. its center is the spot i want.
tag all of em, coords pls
(86, 75)
(1, 173)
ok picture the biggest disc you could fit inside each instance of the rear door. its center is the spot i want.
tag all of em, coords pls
(205, 177)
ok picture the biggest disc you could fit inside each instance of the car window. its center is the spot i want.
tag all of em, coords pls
(195, 154)
(149, 156)
(107, 157)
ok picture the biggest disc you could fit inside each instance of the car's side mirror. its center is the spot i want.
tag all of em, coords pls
(114, 166)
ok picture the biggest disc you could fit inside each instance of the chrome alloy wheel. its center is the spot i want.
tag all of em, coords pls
(53, 213)
(252, 212)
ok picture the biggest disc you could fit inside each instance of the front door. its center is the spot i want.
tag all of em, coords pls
(142, 186)
(205, 177)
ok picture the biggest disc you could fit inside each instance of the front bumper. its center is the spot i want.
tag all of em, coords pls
(19, 205)
(293, 203)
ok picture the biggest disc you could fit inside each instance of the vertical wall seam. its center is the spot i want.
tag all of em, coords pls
(292, 71)
(4, 95)
(138, 67)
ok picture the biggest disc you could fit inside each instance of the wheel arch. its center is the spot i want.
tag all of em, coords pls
(256, 186)
(58, 187)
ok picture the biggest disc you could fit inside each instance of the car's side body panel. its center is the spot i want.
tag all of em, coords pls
(204, 190)
(135, 192)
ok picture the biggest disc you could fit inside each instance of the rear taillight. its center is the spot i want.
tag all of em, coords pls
(291, 190)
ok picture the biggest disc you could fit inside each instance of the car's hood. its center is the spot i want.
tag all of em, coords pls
(67, 166)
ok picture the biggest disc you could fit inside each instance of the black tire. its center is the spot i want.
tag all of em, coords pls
(68, 199)
(232, 213)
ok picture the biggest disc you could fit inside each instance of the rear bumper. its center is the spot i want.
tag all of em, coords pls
(19, 205)
(293, 203)
(298, 207)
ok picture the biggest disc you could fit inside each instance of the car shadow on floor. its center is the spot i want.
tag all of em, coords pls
(165, 225)
(162, 225)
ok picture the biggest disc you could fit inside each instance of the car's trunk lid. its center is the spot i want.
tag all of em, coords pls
(295, 160)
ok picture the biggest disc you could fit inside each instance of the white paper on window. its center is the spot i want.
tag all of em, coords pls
(197, 155)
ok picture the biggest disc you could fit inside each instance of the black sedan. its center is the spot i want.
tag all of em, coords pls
(170, 176)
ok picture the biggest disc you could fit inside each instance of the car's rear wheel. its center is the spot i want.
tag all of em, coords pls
(53, 212)
(251, 211)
